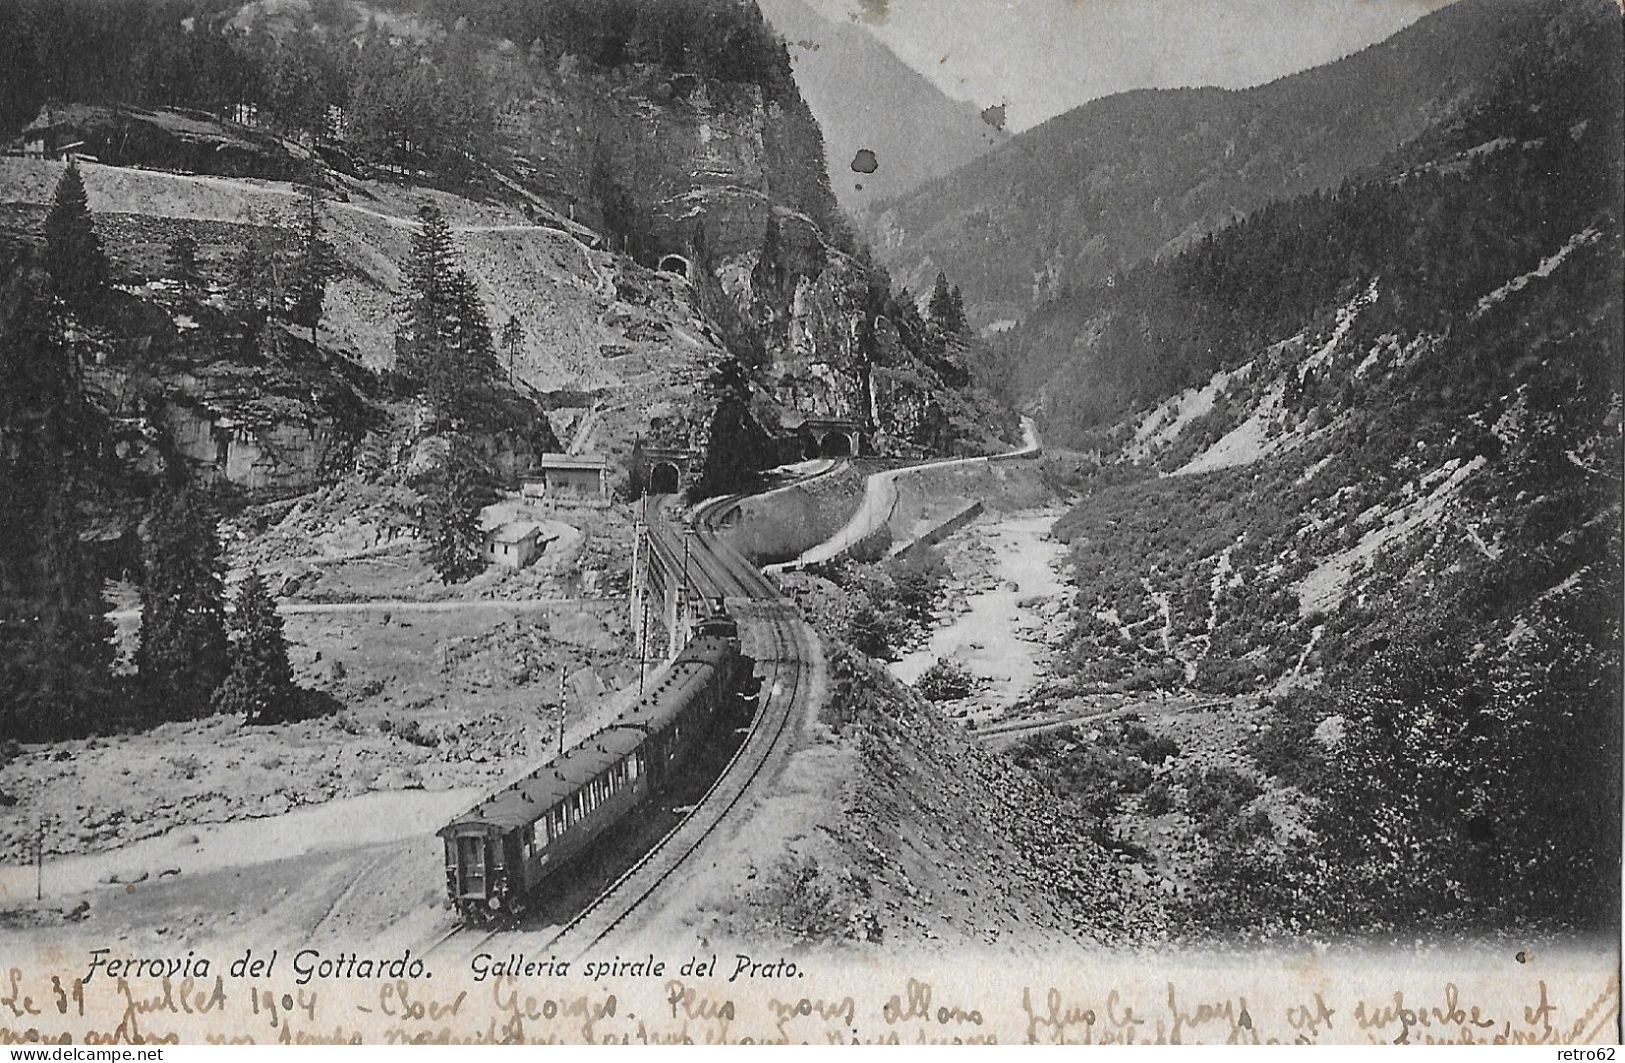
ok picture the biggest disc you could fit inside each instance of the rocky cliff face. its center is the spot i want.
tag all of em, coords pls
(663, 162)
(725, 183)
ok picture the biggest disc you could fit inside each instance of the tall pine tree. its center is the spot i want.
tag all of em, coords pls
(470, 353)
(182, 652)
(456, 541)
(55, 642)
(513, 339)
(444, 345)
(947, 306)
(259, 686)
(73, 253)
(426, 306)
(317, 263)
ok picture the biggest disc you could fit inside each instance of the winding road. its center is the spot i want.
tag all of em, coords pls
(880, 500)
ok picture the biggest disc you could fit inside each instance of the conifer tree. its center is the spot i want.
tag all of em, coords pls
(259, 686)
(180, 259)
(444, 345)
(316, 265)
(248, 289)
(940, 307)
(947, 306)
(456, 540)
(513, 338)
(182, 652)
(426, 307)
(55, 651)
(73, 253)
(470, 354)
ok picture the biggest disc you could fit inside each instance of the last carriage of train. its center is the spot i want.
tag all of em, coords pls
(500, 852)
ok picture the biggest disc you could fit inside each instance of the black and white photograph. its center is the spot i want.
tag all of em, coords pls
(831, 521)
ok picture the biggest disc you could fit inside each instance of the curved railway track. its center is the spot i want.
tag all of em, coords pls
(786, 683)
(787, 659)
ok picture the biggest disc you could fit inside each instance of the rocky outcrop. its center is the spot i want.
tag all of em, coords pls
(669, 163)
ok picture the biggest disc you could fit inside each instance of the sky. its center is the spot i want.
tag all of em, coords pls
(1042, 57)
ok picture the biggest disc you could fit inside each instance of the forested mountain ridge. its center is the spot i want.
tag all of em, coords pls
(1091, 192)
(1355, 462)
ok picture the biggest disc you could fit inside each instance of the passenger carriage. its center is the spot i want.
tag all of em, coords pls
(500, 851)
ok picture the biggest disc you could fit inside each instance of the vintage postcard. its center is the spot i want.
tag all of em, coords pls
(836, 521)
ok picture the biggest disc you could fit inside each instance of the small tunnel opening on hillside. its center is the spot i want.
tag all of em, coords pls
(663, 479)
(836, 445)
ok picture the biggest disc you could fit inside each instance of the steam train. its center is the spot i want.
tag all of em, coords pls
(500, 851)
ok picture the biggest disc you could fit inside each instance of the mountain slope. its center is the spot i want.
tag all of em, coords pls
(867, 99)
(1356, 462)
(1094, 190)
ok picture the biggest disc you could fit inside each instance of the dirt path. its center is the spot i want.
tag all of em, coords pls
(1008, 570)
(381, 816)
(514, 605)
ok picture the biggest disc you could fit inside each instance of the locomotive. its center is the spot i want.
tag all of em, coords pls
(501, 850)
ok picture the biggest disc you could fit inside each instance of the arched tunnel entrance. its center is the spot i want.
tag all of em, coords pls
(663, 478)
(836, 445)
(675, 263)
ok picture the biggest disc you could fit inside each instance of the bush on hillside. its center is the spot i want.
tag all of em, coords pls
(945, 680)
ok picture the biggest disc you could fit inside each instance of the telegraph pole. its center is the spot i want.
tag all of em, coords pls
(634, 588)
(682, 601)
(561, 711)
(39, 857)
(640, 599)
(643, 646)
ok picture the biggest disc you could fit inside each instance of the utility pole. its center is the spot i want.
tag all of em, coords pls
(640, 598)
(39, 858)
(634, 587)
(561, 711)
(682, 599)
(643, 646)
